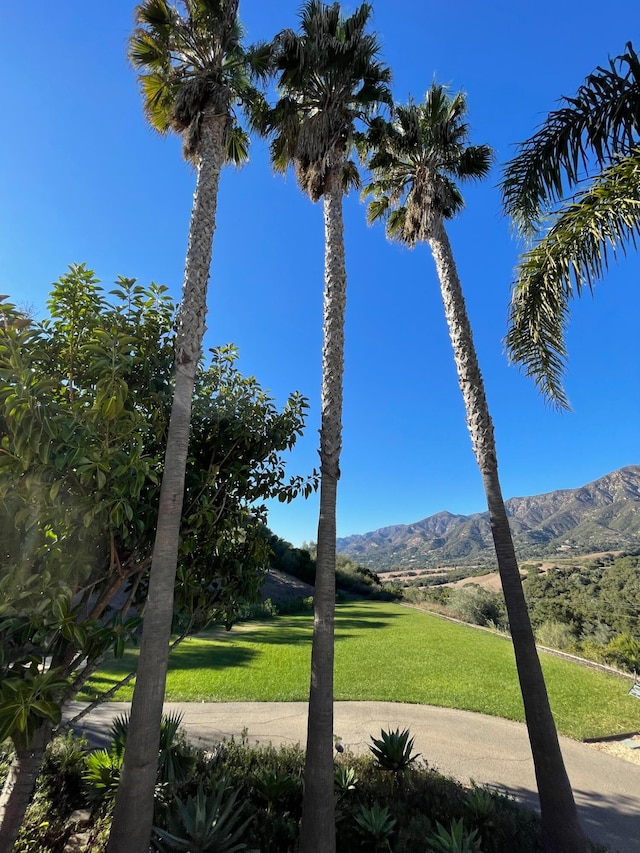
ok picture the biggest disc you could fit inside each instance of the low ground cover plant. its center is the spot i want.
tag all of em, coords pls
(236, 796)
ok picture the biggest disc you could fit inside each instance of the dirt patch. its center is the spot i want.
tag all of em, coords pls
(279, 586)
(489, 581)
(620, 747)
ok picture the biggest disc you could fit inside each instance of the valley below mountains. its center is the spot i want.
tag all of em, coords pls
(601, 516)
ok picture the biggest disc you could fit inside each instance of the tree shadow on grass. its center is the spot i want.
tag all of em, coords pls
(292, 633)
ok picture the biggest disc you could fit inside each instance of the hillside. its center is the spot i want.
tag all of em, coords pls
(601, 516)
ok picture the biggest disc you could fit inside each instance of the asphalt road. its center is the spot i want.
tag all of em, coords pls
(462, 744)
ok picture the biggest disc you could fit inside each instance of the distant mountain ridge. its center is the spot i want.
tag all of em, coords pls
(601, 516)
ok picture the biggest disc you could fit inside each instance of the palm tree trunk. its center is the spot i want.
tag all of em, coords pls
(133, 815)
(318, 833)
(20, 783)
(561, 830)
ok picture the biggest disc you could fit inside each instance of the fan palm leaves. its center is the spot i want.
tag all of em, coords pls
(329, 77)
(193, 63)
(329, 80)
(417, 161)
(574, 190)
(194, 75)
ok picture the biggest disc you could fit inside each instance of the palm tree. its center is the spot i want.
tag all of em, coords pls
(329, 78)
(193, 72)
(416, 162)
(594, 137)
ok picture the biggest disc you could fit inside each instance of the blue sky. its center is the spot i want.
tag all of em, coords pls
(84, 179)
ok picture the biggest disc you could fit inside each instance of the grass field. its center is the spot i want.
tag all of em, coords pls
(384, 652)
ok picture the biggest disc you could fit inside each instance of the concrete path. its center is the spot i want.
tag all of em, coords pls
(462, 744)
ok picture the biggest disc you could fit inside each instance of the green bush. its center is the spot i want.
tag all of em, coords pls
(372, 810)
(477, 605)
(555, 635)
(623, 651)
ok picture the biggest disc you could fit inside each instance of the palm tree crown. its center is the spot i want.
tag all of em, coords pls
(418, 158)
(329, 76)
(192, 61)
(574, 188)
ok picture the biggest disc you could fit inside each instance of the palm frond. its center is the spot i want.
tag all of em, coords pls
(350, 177)
(237, 146)
(600, 122)
(193, 61)
(416, 159)
(159, 98)
(575, 252)
(329, 79)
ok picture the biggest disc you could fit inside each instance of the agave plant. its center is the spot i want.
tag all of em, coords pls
(456, 839)
(204, 824)
(394, 750)
(375, 825)
(274, 787)
(345, 778)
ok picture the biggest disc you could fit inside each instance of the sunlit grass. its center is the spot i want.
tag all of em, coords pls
(385, 652)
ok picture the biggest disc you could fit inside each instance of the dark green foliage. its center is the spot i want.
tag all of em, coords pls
(456, 839)
(375, 826)
(263, 786)
(293, 561)
(597, 603)
(59, 792)
(351, 578)
(61, 778)
(206, 823)
(393, 750)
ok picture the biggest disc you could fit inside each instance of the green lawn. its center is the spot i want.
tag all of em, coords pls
(385, 652)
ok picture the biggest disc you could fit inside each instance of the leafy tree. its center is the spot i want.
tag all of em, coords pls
(416, 162)
(329, 79)
(593, 601)
(573, 189)
(194, 72)
(84, 404)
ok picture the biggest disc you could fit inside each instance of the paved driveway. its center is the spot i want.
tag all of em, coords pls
(462, 744)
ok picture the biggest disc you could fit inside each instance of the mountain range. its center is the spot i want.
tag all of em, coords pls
(601, 516)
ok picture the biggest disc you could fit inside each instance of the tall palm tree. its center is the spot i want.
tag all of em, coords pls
(416, 162)
(193, 73)
(329, 78)
(574, 189)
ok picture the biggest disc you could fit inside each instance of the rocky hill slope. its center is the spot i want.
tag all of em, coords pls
(601, 516)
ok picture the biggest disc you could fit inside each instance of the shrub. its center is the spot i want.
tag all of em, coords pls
(267, 781)
(457, 839)
(477, 605)
(623, 651)
(555, 635)
(204, 823)
(375, 826)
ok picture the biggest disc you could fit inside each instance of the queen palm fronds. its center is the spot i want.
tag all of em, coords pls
(584, 236)
(591, 129)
